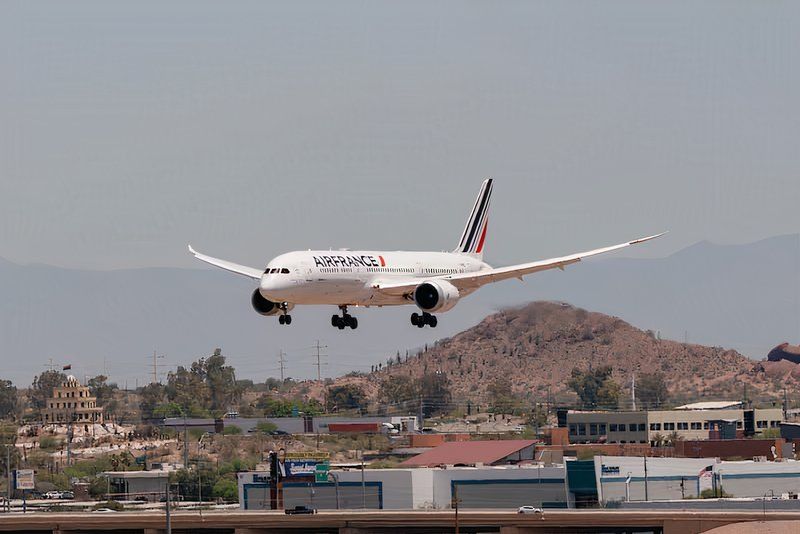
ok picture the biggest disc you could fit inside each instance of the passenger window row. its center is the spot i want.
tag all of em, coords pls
(277, 270)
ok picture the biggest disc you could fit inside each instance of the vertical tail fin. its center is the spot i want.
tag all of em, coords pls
(474, 234)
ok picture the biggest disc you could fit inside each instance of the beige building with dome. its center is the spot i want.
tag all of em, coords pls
(72, 402)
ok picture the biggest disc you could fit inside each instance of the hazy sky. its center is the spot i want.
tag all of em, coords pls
(128, 129)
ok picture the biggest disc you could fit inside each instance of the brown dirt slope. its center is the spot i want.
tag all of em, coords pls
(536, 347)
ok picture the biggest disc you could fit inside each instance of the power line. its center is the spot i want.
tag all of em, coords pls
(282, 362)
(319, 363)
(156, 365)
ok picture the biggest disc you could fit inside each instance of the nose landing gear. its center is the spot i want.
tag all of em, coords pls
(424, 319)
(345, 320)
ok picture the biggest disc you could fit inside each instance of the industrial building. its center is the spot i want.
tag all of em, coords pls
(632, 478)
(416, 488)
(307, 424)
(699, 421)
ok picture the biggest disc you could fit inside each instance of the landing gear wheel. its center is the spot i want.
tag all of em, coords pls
(424, 319)
(282, 319)
(288, 320)
(343, 321)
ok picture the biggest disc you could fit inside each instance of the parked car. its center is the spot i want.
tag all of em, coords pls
(300, 509)
(529, 510)
(103, 511)
(67, 495)
(52, 495)
(279, 433)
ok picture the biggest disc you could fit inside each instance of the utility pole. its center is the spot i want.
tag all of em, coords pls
(646, 496)
(455, 502)
(785, 404)
(633, 391)
(169, 519)
(319, 362)
(156, 365)
(282, 362)
(8, 476)
(185, 444)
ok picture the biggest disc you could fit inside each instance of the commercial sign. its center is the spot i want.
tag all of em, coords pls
(24, 479)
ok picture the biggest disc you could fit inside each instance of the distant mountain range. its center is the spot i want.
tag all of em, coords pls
(745, 297)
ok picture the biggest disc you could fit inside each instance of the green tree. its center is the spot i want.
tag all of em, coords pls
(398, 390)
(226, 489)
(434, 389)
(346, 397)
(105, 393)
(651, 389)
(265, 427)
(8, 399)
(501, 397)
(42, 389)
(151, 397)
(595, 387)
(207, 386)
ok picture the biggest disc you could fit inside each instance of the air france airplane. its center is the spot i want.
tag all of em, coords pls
(433, 281)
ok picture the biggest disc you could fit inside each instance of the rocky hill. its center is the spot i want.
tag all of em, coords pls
(536, 347)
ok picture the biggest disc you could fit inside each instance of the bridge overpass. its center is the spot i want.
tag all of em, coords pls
(394, 522)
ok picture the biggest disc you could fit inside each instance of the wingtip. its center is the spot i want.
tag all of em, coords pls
(191, 250)
(648, 238)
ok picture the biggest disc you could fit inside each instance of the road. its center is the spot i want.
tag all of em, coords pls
(363, 522)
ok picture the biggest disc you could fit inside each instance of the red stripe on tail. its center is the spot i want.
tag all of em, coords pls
(383, 263)
(483, 237)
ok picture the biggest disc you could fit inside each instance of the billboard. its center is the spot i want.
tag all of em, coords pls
(24, 479)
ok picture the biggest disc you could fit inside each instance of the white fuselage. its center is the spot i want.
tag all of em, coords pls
(348, 277)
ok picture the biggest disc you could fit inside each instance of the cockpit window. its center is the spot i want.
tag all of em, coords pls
(284, 271)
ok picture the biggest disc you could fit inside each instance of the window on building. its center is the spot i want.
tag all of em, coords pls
(683, 425)
(739, 425)
(612, 427)
(761, 424)
(696, 425)
(602, 429)
(573, 429)
(774, 424)
(593, 429)
(581, 429)
(642, 427)
(669, 426)
(655, 426)
(705, 425)
(632, 427)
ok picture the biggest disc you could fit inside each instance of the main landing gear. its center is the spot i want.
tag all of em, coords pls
(284, 318)
(424, 319)
(344, 321)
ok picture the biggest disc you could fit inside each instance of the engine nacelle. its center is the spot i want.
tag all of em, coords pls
(266, 307)
(436, 296)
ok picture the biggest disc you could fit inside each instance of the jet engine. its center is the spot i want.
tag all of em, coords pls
(266, 307)
(436, 296)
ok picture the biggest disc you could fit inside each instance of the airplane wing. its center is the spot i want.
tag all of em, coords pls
(477, 279)
(250, 272)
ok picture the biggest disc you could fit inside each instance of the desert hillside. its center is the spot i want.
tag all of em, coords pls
(535, 347)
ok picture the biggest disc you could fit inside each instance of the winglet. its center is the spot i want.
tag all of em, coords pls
(193, 251)
(648, 238)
